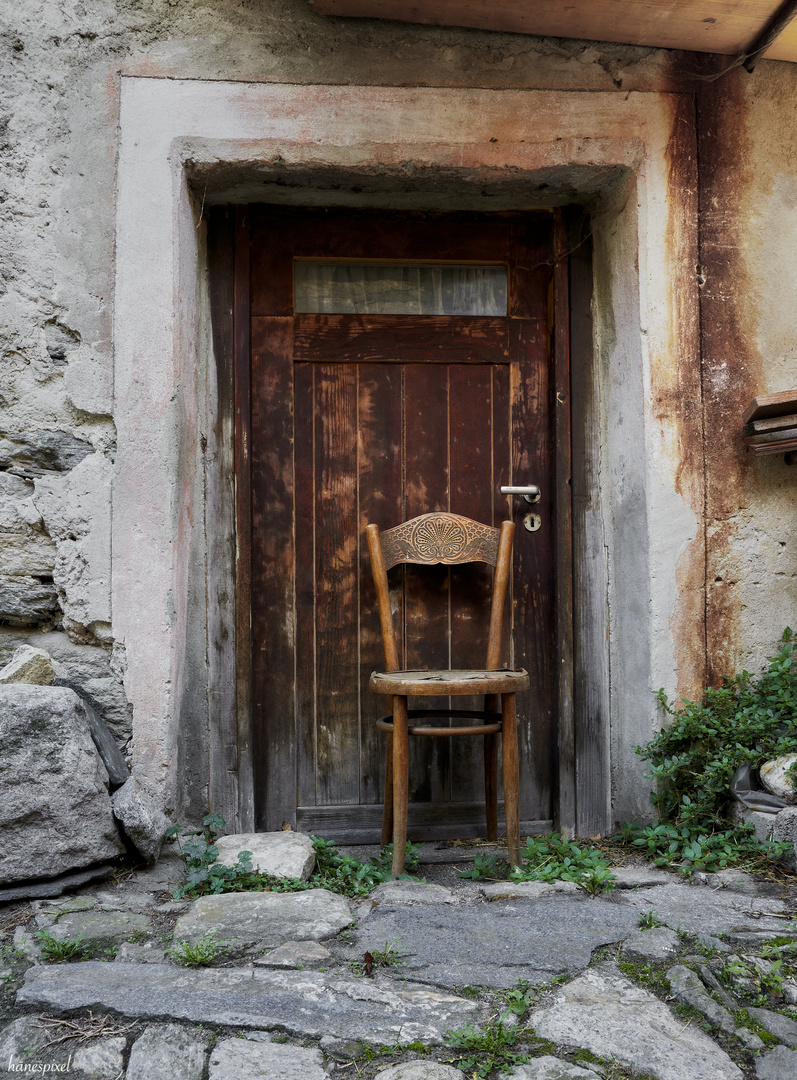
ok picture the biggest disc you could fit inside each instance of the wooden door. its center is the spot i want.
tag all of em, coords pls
(379, 417)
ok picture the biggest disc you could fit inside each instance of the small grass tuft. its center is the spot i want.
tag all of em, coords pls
(201, 953)
(59, 950)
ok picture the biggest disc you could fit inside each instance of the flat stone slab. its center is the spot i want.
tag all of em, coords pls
(550, 1068)
(642, 877)
(101, 1060)
(235, 1059)
(658, 943)
(706, 911)
(97, 926)
(530, 890)
(376, 1011)
(296, 954)
(412, 892)
(167, 1052)
(421, 1070)
(604, 1012)
(281, 854)
(496, 944)
(263, 920)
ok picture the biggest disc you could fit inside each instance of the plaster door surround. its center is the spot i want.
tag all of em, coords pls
(613, 151)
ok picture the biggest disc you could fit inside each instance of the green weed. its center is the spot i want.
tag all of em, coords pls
(488, 1049)
(201, 953)
(649, 920)
(549, 858)
(59, 950)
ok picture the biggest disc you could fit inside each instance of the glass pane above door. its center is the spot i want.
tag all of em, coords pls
(343, 288)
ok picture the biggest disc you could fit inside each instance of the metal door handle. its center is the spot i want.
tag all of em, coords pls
(531, 493)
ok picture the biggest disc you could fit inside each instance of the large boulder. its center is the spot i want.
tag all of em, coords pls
(55, 811)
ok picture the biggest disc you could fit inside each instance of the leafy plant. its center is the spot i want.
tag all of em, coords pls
(487, 1049)
(351, 877)
(339, 873)
(548, 858)
(200, 953)
(555, 858)
(747, 720)
(59, 950)
(486, 868)
(517, 999)
(649, 920)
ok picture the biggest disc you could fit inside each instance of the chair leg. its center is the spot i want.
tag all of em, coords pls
(387, 810)
(511, 776)
(491, 704)
(400, 782)
(491, 785)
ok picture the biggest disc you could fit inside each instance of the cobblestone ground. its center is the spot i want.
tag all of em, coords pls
(657, 978)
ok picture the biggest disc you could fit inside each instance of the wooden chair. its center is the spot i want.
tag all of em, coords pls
(448, 539)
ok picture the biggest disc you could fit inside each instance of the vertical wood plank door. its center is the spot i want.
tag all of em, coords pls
(374, 414)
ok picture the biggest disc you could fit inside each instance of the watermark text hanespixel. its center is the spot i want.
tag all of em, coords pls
(39, 1068)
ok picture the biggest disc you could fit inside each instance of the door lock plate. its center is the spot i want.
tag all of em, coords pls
(532, 522)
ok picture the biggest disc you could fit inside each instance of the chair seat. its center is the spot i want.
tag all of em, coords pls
(441, 683)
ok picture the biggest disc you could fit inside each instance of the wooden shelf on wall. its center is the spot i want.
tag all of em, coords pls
(770, 425)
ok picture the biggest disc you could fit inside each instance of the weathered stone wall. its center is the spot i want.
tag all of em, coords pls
(59, 132)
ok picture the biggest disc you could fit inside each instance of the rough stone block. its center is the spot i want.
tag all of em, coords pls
(687, 987)
(774, 777)
(141, 817)
(26, 601)
(421, 1070)
(41, 452)
(235, 1058)
(778, 1064)
(167, 1052)
(94, 669)
(282, 854)
(55, 811)
(784, 1029)
(102, 1060)
(28, 665)
(97, 927)
(786, 830)
(296, 954)
(412, 892)
(658, 943)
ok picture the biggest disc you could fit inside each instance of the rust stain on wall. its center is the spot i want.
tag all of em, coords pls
(677, 391)
(731, 365)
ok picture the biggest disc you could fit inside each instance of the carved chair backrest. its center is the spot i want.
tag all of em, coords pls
(441, 538)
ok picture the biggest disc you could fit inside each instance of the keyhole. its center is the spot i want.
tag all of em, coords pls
(532, 522)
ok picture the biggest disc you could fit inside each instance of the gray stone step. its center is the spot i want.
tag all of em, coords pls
(375, 1011)
(495, 944)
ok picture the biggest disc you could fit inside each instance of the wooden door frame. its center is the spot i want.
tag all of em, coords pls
(581, 687)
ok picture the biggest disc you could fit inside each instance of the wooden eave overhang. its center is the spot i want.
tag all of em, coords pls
(741, 28)
(770, 425)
